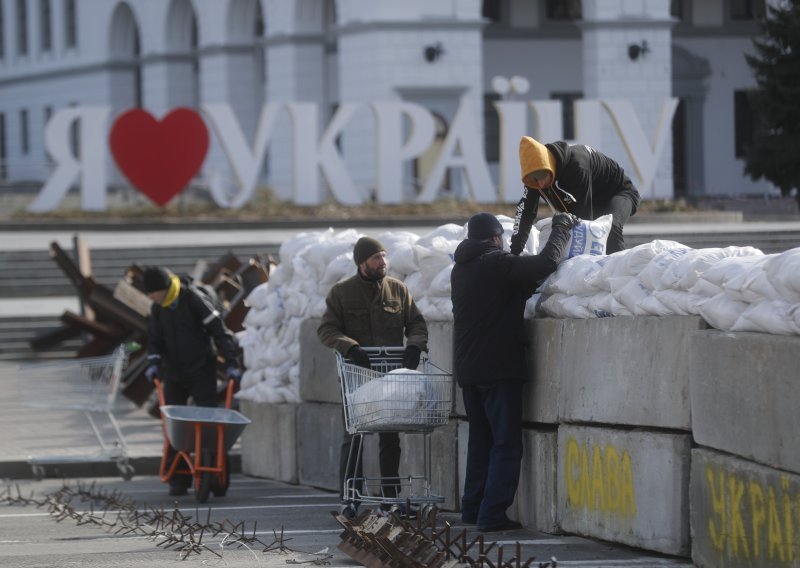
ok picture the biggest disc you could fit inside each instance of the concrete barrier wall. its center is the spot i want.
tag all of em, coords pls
(743, 515)
(610, 413)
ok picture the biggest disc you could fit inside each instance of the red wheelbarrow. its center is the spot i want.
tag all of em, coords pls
(201, 437)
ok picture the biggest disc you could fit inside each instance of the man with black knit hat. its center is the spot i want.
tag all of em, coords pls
(184, 333)
(371, 309)
(490, 288)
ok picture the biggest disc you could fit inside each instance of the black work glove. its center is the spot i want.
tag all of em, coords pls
(151, 373)
(411, 357)
(359, 357)
(566, 220)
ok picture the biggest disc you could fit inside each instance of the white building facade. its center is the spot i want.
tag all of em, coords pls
(658, 78)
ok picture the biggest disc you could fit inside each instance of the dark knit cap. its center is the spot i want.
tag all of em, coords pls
(155, 279)
(365, 247)
(483, 226)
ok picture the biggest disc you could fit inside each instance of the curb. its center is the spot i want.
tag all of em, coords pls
(149, 465)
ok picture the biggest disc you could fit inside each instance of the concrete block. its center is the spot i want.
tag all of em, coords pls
(743, 514)
(744, 395)
(544, 355)
(535, 503)
(627, 370)
(625, 486)
(443, 462)
(269, 443)
(440, 344)
(319, 380)
(462, 429)
(320, 428)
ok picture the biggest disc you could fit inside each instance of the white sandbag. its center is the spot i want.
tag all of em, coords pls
(416, 286)
(402, 396)
(402, 259)
(650, 305)
(720, 312)
(341, 267)
(631, 294)
(448, 232)
(651, 275)
(679, 302)
(318, 254)
(574, 276)
(784, 273)
(431, 260)
(440, 284)
(684, 272)
(752, 284)
(728, 268)
(631, 262)
(767, 317)
(553, 305)
(603, 305)
(257, 298)
(587, 237)
(296, 245)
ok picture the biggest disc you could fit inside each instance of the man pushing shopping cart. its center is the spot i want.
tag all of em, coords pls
(371, 309)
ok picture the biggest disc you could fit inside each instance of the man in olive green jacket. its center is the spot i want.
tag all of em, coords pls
(371, 309)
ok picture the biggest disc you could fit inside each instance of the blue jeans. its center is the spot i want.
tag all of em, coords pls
(494, 450)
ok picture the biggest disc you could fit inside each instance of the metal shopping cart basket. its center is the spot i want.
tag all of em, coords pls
(387, 398)
(88, 385)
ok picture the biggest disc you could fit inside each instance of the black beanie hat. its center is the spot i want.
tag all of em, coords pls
(155, 279)
(365, 247)
(483, 226)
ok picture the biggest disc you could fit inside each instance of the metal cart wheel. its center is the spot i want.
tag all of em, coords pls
(426, 512)
(220, 489)
(206, 479)
(126, 470)
(38, 472)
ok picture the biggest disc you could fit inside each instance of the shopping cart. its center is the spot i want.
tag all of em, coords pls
(201, 437)
(387, 398)
(89, 385)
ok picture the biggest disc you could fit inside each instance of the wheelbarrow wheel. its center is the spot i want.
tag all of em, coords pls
(219, 487)
(206, 478)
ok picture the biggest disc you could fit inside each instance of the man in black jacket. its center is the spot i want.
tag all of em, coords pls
(489, 290)
(182, 332)
(576, 179)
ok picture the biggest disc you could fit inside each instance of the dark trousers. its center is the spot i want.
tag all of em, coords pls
(204, 393)
(388, 458)
(621, 208)
(494, 450)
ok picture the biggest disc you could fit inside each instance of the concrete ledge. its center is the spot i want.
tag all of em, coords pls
(544, 357)
(625, 486)
(743, 514)
(269, 444)
(535, 504)
(626, 370)
(320, 429)
(744, 395)
(319, 380)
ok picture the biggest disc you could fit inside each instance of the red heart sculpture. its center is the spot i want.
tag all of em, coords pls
(159, 157)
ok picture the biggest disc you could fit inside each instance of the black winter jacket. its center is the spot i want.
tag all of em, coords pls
(182, 337)
(589, 176)
(489, 290)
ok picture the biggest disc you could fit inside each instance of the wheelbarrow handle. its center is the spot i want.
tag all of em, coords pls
(228, 392)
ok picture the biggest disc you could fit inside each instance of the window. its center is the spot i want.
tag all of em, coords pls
(3, 173)
(567, 112)
(676, 9)
(564, 10)
(22, 27)
(745, 122)
(492, 10)
(70, 24)
(746, 9)
(45, 25)
(491, 128)
(24, 140)
(2, 34)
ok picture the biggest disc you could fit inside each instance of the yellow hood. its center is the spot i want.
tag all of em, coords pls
(533, 156)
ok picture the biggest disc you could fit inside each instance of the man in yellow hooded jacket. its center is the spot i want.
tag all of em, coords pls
(183, 335)
(572, 178)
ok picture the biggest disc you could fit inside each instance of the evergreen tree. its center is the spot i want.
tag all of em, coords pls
(775, 151)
